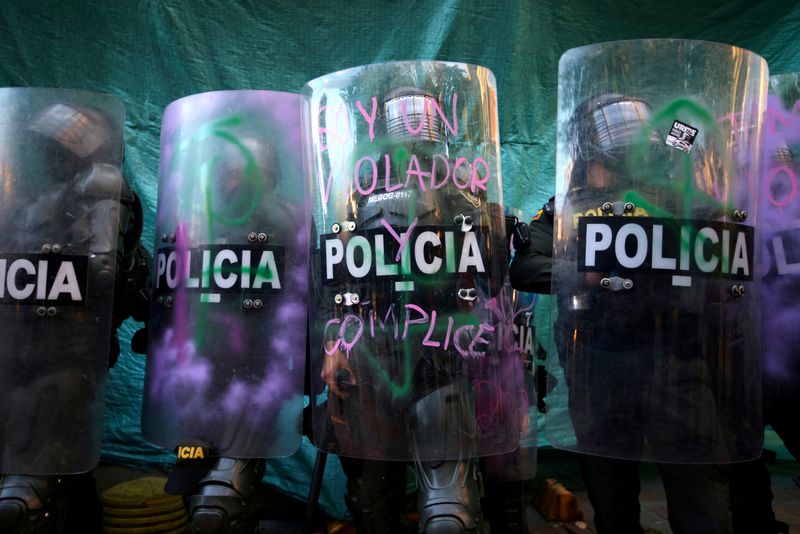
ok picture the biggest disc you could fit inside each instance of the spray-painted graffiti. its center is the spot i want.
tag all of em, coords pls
(411, 250)
(698, 180)
(653, 303)
(464, 338)
(780, 230)
(682, 193)
(441, 171)
(781, 138)
(228, 330)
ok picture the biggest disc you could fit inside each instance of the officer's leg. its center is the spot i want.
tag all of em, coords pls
(688, 428)
(85, 511)
(375, 495)
(613, 489)
(603, 408)
(505, 506)
(751, 498)
(31, 504)
(448, 490)
(782, 415)
(223, 503)
(505, 496)
(449, 496)
(698, 498)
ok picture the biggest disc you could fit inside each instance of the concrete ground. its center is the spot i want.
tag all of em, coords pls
(563, 466)
(559, 465)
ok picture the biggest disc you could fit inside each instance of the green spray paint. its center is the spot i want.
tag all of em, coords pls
(681, 181)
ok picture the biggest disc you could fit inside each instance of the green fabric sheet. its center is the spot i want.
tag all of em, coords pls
(149, 53)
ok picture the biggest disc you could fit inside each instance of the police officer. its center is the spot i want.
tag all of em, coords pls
(72, 206)
(404, 373)
(227, 344)
(611, 413)
(751, 492)
(449, 496)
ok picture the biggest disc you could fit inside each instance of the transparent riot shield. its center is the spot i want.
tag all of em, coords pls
(520, 464)
(408, 262)
(779, 226)
(228, 318)
(656, 306)
(60, 177)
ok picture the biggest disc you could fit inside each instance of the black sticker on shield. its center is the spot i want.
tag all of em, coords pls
(681, 136)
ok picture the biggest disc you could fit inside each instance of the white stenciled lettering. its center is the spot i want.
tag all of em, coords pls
(419, 251)
(245, 281)
(267, 272)
(740, 260)
(334, 253)
(65, 282)
(24, 279)
(397, 195)
(426, 252)
(220, 268)
(705, 264)
(161, 268)
(222, 281)
(41, 282)
(781, 263)
(638, 233)
(172, 270)
(678, 246)
(471, 254)
(598, 238)
(15, 292)
(358, 243)
(659, 260)
(381, 267)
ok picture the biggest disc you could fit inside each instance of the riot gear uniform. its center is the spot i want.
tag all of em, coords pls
(402, 385)
(652, 275)
(506, 497)
(88, 208)
(227, 339)
(221, 497)
(534, 273)
(449, 496)
(612, 483)
(751, 492)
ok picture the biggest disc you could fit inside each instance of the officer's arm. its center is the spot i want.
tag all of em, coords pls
(531, 268)
(132, 288)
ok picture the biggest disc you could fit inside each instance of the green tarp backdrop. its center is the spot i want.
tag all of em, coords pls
(149, 53)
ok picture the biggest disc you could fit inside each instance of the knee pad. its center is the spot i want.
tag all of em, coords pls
(31, 505)
(442, 423)
(223, 503)
(375, 491)
(449, 497)
(218, 515)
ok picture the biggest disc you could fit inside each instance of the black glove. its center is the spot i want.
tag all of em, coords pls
(520, 236)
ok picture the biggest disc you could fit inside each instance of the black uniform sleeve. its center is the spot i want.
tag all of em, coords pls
(531, 268)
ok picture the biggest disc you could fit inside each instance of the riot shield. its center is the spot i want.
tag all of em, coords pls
(656, 306)
(779, 223)
(60, 175)
(228, 316)
(520, 464)
(408, 263)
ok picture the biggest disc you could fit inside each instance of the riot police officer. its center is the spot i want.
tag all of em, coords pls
(73, 271)
(751, 493)
(603, 345)
(227, 346)
(406, 378)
